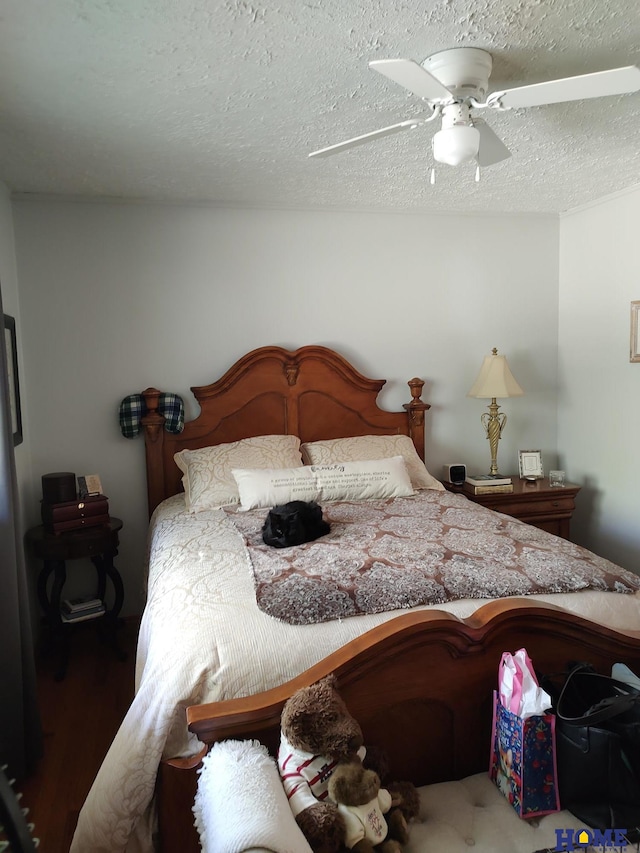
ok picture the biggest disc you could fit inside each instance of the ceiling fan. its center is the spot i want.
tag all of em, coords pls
(454, 84)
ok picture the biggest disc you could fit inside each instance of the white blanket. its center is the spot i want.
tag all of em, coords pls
(203, 639)
(240, 803)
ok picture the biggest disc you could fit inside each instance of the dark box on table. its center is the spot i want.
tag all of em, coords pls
(90, 511)
(59, 487)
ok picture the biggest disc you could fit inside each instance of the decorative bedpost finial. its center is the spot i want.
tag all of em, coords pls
(417, 407)
(415, 410)
(153, 420)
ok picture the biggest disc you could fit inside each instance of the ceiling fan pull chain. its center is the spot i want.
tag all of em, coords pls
(478, 174)
(432, 179)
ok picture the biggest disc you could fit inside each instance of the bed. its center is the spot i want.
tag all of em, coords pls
(203, 637)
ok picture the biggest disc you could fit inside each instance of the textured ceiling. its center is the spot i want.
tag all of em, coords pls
(221, 101)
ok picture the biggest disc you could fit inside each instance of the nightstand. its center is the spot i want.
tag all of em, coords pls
(100, 545)
(548, 507)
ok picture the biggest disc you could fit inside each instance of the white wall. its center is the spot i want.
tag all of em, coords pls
(599, 399)
(119, 297)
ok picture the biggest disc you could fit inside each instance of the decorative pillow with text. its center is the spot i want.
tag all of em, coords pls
(337, 481)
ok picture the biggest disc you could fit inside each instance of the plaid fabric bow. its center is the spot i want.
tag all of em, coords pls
(133, 409)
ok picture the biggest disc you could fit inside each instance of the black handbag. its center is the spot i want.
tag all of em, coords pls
(598, 750)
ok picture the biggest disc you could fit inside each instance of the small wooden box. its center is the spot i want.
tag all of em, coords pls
(73, 515)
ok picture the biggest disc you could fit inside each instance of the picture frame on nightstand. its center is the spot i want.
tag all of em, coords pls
(89, 484)
(530, 464)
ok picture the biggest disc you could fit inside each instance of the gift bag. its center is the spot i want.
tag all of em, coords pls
(523, 746)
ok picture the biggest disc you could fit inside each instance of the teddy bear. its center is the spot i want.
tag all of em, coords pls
(317, 733)
(362, 803)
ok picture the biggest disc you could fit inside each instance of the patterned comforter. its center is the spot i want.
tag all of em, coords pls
(203, 638)
(399, 553)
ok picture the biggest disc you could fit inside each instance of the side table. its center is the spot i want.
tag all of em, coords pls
(548, 507)
(100, 545)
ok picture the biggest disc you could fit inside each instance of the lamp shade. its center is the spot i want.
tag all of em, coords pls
(455, 145)
(495, 379)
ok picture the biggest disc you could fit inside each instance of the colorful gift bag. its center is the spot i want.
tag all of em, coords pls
(523, 760)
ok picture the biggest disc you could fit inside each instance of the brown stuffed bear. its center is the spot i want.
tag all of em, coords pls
(362, 803)
(318, 733)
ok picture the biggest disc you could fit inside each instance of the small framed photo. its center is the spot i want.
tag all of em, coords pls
(89, 485)
(11, 350)
(530, 464)
(634, 354)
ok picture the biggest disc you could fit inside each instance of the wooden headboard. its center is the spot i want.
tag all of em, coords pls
(312, 392)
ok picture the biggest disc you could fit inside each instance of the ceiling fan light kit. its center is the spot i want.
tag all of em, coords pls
(454, 84)
(458, 141)
(457, 144)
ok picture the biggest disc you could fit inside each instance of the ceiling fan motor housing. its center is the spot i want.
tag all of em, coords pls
(464, 71)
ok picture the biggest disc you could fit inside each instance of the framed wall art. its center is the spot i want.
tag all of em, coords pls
(11, 349)
(634, 354)
(530, 464)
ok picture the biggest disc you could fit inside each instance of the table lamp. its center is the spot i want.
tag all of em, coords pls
(494, 381)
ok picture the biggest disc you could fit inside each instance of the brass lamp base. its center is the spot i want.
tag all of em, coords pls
(493, 423)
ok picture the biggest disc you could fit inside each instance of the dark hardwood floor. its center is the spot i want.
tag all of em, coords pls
(80, 716)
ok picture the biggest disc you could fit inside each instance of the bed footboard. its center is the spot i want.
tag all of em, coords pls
(420, 686)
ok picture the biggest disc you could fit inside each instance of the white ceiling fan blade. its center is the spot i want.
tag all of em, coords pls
(492, 148)
(366, 137)
(615, 81)
(413, 77)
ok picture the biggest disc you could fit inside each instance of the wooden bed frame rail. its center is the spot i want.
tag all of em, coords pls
(421, 687)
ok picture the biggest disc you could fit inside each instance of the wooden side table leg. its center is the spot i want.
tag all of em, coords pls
(43, 579)
(102, 576)
(56, 627)
(53, 604)
(105, 568)
(118, 587)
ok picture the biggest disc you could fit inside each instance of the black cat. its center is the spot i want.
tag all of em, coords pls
(294, 523)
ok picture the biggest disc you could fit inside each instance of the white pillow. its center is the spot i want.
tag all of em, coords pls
(341, 481)
(208, 481)
(372, 447)
(240, 803)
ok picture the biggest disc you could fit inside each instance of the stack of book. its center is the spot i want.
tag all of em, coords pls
(79, 609)
(488, 484)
